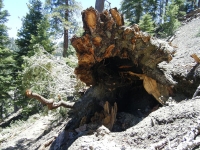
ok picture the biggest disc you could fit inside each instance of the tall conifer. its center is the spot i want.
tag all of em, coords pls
(62, 19)
(7, 64)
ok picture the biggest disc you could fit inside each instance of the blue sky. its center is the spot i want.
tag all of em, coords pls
(18, 8)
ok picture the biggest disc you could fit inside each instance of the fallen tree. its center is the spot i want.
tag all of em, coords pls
(128, 71)
(12, 117)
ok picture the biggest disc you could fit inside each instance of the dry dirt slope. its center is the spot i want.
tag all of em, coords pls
(31, 134)
(170, 127)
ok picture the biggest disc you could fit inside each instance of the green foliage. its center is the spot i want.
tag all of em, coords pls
(4, 39)
(63, 19)
(7, 65)
(164, 13)
(71, 61)
(146, 24)
(29, 28)
(47, 75)
(34, 30)
(171, 19)
(62, 15)
(181, 6)
(42, 37)
(135, 9)
(132, 10)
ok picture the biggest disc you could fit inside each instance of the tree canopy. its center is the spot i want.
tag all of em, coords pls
(29, 26)
(62, 15)
(7, 64)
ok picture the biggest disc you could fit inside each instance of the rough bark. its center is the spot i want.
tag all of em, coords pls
(65, 43)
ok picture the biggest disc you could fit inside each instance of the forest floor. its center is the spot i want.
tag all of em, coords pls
(175, 126)
(32, 133)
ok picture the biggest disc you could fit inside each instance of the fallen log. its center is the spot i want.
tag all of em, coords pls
(13, 117)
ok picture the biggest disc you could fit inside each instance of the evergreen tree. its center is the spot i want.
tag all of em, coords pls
(6, 64)
(23, 41)
(29, 28)
(34, 30)
(182, 7)
(132, 9)
(42, 37)
(171, 19)
(135, 9)
(62, 14)
(146, 24)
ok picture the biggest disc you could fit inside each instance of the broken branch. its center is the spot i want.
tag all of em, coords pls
(49, 102)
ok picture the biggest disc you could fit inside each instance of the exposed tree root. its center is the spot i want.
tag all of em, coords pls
(108, 51)
(107, 117)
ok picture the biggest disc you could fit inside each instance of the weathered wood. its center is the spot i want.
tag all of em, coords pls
(49, 102)
(11, 118)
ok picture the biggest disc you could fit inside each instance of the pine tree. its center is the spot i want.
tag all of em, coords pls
(171, 22)
(135, 9)
(43, 37)
(132, 10)
(182, 7)
(146, 24)
(62, 14)
(29, 28)
(33, 31)
(7, 64)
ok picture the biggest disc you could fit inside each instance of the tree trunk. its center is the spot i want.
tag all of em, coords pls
(65, 44)
(161, 11)
(16, 108)
(99, 5)
(1, 111)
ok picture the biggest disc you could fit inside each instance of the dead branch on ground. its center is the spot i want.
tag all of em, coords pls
(51, 104)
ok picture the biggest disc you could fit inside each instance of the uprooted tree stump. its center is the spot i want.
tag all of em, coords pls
(114, 56)
(123, 67)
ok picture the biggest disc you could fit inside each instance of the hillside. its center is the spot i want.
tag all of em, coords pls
(174, 126)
